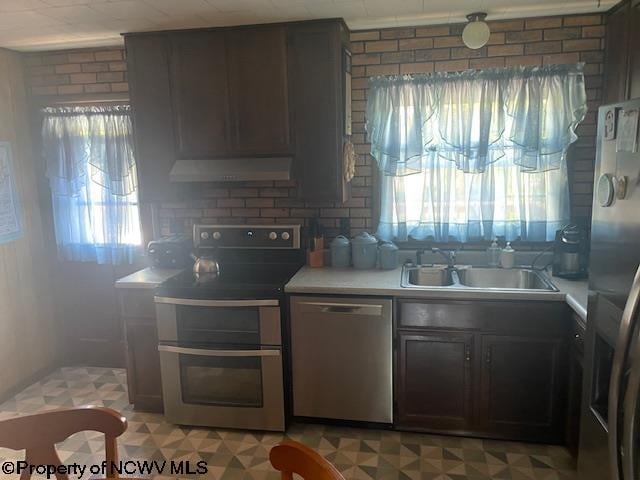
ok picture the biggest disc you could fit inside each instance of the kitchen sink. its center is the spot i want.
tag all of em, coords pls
(474, 278)
(436, 276)
(513, 278)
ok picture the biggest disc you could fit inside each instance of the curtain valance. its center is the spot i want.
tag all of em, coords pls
(474, 118)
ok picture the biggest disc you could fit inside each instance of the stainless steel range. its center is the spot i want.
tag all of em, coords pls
(220, 334)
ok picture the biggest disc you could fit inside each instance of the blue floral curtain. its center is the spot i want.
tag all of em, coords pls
(486, 150)
(92, 175)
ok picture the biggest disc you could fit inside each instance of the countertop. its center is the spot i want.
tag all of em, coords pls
(348, 281)
(147, 278)
(576, 292)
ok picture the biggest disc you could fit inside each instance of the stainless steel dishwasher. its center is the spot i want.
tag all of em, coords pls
(342, 358)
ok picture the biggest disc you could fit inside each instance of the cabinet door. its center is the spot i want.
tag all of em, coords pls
(258, 90)
(200, 94)
(634, 71)
(616, 61)
(317, 101)
(143, 364)
(147, 61)
(434, 381)
(521, 394)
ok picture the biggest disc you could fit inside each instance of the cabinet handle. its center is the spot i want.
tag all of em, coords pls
(467, 353)
(487, 357)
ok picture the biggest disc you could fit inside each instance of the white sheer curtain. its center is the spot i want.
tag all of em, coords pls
(444, 203)
(472, 155)
(94, 189)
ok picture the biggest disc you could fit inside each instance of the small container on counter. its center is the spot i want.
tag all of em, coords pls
(493, 254)
(388, 256)
(340, 252)
(364, 251)
(508, 256)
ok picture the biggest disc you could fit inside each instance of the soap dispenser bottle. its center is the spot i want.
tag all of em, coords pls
(493, 254)
(508, 256)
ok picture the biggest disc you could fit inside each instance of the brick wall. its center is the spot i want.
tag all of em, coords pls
(534, 41)
(76, 72)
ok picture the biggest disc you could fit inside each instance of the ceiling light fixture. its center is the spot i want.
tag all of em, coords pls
(476, 33)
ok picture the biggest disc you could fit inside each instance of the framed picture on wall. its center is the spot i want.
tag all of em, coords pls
(10, 225)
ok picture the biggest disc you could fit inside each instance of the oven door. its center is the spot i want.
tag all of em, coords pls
(221, 387)
(221, 362)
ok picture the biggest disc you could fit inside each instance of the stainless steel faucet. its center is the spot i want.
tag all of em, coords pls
(449, 255)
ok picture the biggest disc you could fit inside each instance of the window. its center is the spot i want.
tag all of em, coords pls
(444, 203)
(92, 176)
(473, 155)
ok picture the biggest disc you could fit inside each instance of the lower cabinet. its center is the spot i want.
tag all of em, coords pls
(494, 371)
(521, 385)
(434, 381)
(574, 395)
(141, 337)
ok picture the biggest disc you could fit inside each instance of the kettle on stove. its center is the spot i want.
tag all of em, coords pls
(570, 253)
(205, 266)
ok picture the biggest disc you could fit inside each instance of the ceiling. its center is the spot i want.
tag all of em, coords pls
(31, 25)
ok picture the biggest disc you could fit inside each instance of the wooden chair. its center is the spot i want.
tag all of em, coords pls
(293, 457)
(38, 434)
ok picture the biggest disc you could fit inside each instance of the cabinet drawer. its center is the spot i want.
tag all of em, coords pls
(534, 317)
(138, 303)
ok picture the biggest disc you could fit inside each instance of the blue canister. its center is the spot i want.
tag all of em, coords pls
(340, 252)
(364, 251)
(388, 255)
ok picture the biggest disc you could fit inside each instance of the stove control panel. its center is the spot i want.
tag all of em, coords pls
(246, 236)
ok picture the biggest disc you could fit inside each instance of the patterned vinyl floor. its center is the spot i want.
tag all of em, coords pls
(236, 455)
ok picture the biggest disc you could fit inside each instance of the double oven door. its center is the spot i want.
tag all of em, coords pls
(221, 362)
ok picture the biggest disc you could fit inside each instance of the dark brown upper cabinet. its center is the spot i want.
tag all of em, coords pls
(317, 91)
(622, 57)
(634, 63)
(258, 92)
(252, 91)
(152, 115)
(229, 92)
(616, 56)
(200, 94)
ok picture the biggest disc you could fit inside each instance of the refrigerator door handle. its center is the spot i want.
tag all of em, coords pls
(617, 371)
(630, 415)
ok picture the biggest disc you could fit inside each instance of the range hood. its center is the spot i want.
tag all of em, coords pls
(231, 169)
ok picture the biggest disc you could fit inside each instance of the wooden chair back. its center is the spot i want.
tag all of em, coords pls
(38, 434)
(293, 457)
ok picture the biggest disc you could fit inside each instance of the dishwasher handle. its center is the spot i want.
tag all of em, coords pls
(344, 308)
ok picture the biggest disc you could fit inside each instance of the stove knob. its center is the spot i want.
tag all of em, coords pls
(204, 235)
(273, 236)
(285, 235)
(217, 235)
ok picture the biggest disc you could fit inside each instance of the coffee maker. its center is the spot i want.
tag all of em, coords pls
(570, 253)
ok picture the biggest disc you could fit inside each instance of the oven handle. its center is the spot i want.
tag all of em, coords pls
(216, 303)
(200, 352)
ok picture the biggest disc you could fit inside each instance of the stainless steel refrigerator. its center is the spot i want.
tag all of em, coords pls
(610, 428)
